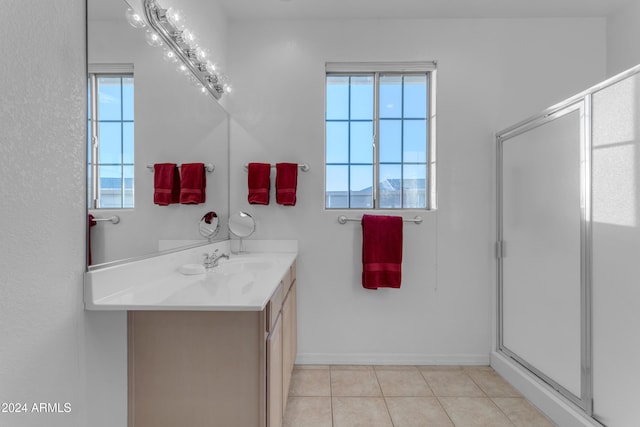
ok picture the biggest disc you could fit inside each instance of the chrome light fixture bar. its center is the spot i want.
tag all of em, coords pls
(179, 42)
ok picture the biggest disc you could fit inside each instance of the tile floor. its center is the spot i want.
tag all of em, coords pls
(406, 396)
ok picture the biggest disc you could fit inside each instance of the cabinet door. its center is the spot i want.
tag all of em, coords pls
(294, 324)
(274, 375)
(289, 337)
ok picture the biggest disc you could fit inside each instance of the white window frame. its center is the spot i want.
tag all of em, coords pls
(429, 67)
(94, 71)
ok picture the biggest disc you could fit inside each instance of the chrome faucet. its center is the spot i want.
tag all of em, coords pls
(211, 261)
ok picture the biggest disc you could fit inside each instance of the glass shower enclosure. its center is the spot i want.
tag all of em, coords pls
(568, 220)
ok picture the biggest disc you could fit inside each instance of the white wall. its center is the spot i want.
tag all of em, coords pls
(492, 73)
(42, 335)
(623, 33)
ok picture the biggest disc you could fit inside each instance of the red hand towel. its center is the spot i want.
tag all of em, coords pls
(286, 183)
(381, 251)
(259, 183)
(193, 183)
(166, 183)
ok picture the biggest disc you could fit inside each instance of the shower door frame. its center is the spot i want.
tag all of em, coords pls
(580, 103)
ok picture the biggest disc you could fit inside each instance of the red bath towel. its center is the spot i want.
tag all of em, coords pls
(193, 183)
(166, 184)
(286, 183)
(259, 183)
(381, 251)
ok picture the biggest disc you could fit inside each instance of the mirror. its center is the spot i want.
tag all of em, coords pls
(242, 225)
(173, 122)
(209, 225)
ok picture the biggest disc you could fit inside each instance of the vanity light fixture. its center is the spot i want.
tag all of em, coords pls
(167, 29)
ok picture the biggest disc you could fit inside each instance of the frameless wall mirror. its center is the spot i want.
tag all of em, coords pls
(146, 112)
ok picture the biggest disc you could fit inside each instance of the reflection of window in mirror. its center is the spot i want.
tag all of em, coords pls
(111, 158)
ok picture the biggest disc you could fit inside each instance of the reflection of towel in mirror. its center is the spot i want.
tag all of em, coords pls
(90, 223)
(208, 217)
(286, 183)
(259, 179)
(381, 251)
(193, 183)
(166, 184)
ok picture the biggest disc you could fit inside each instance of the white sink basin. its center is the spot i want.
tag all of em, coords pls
(242, 265)
(214, 285)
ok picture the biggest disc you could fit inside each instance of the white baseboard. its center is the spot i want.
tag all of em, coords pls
(391, 359)
(560, 410)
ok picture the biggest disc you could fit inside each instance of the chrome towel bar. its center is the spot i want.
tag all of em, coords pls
(209, 167)
(302, 166)
(112, 219)
(343, 219)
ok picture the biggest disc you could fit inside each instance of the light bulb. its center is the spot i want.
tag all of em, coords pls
(176, 18)
(189, 37)
(212, 67)
(134, 19)
(183, 69)
(201, 54)
(169, 56)
(153, 39)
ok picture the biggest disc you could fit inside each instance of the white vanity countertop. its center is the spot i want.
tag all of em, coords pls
(245, 282)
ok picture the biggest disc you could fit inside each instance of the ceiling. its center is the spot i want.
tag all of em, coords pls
(106, 9)
(398, 9)
(403, 9)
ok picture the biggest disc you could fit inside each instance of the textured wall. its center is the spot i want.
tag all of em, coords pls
(42, 350)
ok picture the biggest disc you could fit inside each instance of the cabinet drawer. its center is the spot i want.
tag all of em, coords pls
(274, 306)
(292, 272)
(288, 279)
(275, 303)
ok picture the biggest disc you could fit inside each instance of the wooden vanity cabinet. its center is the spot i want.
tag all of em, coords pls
(282, 348)
(212, 368)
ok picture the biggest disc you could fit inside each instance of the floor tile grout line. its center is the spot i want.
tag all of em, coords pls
(384, 399)
(333, 421)
(484, 392)
(426, 381)
(477, 383)
(445, 411)
(440, 402)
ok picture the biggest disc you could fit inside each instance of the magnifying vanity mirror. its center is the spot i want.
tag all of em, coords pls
(147, 112)
(242, 225)
(209, 225)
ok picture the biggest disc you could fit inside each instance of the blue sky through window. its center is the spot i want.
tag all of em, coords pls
(115, 114)
(402, 140)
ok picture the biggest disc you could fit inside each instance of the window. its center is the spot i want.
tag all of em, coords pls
(379, 136)
(111, 156)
